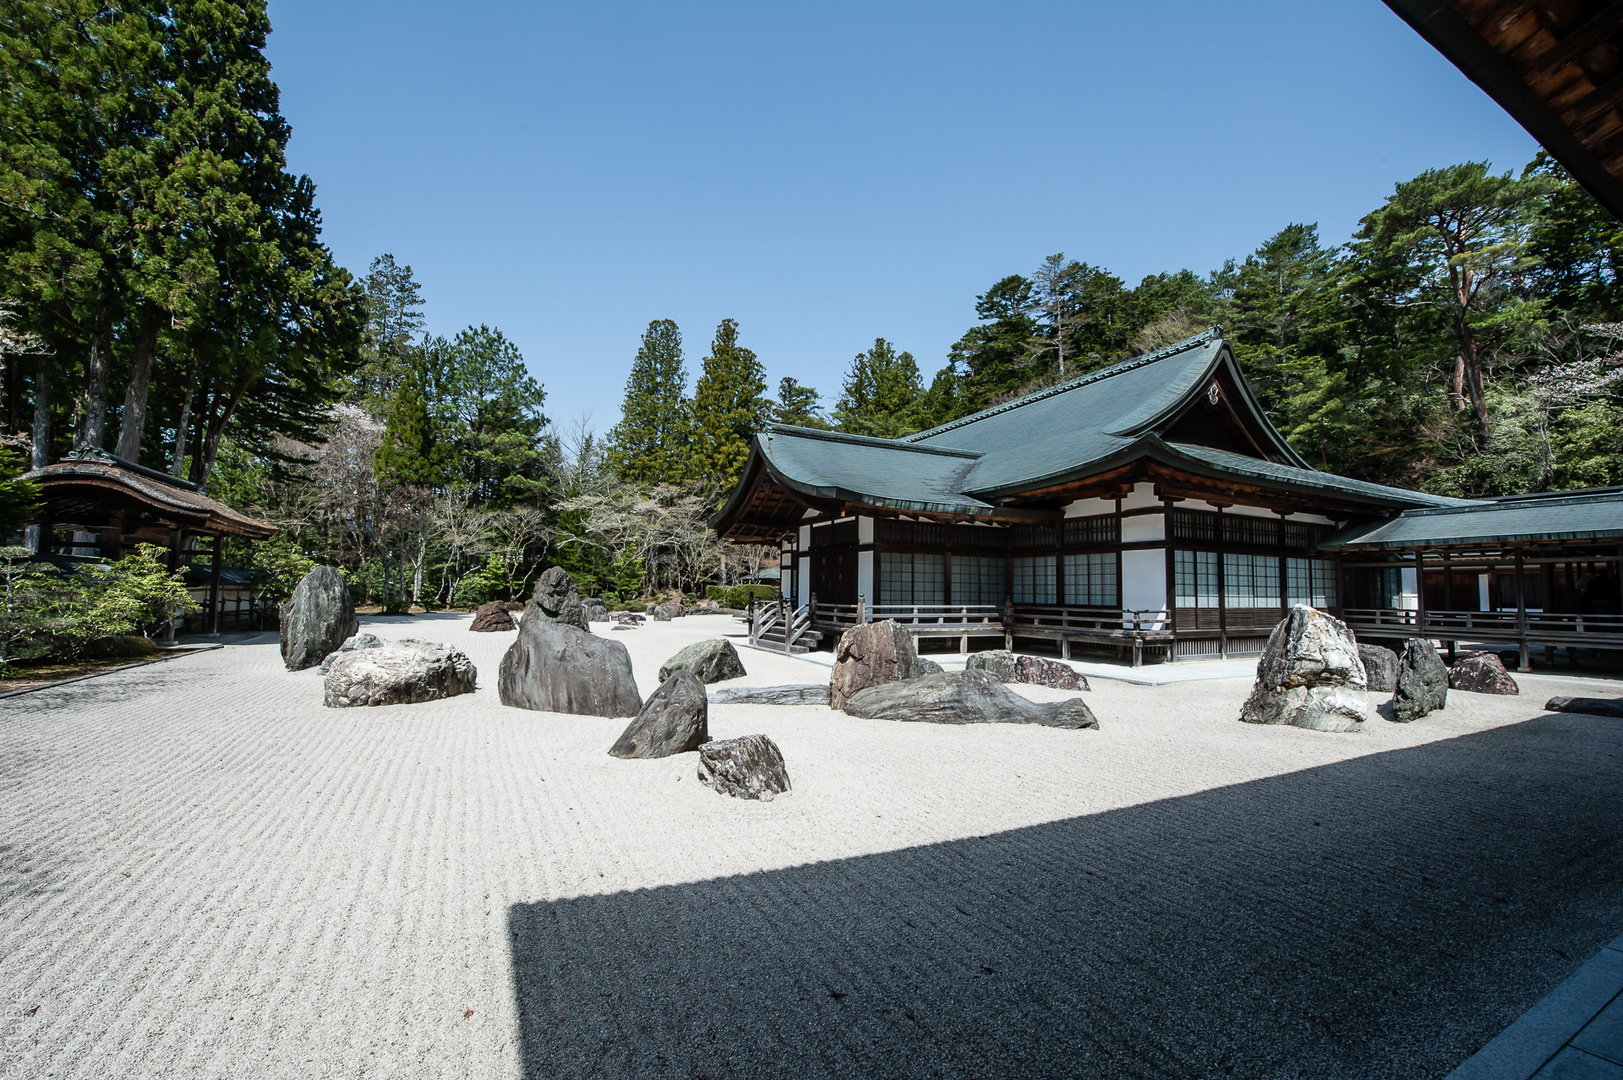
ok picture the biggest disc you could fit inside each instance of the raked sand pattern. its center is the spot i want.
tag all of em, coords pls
(205, 873)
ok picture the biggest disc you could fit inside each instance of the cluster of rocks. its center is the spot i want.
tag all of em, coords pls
(595, 610)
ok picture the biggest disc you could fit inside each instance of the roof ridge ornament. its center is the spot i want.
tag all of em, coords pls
(88, 452)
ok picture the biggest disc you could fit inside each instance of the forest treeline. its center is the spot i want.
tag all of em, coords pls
(165, 295)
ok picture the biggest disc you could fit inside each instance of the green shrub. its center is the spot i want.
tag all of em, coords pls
(738, 596)
(282, 565)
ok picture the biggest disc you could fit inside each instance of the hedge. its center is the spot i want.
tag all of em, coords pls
(738, 596)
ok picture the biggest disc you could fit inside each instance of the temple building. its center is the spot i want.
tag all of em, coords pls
(1152, 507)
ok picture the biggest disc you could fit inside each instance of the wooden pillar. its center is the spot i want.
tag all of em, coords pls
(1521, 616)
(214, 587)
(1420, 593)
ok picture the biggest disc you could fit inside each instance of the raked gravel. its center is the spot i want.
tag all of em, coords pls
(206, 873)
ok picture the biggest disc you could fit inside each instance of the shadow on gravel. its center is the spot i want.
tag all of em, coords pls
(1382, 917)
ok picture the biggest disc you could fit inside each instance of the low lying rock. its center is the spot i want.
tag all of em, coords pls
(871, 654)
(351, 644)
(1481, 673)
(1380, 668)
(1006, 667)
(1422, 684)
(811, 694)
(929, 667)
(556, 667)
(399, 673)
(491, 617)
(1590, 705)
(674, 720)
(963, 697)
(712, 661)
(658, 614)
(628, 618)
(1309, 675)
(750, 767)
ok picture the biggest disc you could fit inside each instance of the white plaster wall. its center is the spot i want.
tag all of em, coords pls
(864, 530)
(1142, 495)
(1252, 511)
(865, 576)
(1410, 600)
(1144, 579)
(1312, 519)
(1143, 527)
(1090, 507)
(803, 564)
(1484, 594)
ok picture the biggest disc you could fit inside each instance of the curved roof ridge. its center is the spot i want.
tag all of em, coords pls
(824, 434)
(1205, 337)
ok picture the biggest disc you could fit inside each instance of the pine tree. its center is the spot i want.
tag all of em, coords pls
(729, 407)
(650, 443)
(394, 319)
(881, 393)
(412, 451)
(798, 405)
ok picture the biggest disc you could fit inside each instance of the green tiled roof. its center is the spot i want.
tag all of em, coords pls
(1075, 429)
(1588, 515)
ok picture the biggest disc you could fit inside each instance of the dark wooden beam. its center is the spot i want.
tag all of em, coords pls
(1580, 41)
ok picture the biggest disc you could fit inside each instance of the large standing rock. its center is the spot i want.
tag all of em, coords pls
(1422, 682)
(399, 673)
(963, 697)
(556, 599)
(750, 767)
(556, 667)
(871, 654)
(1380, 668)
(712, 661)
(317, 620)
(674, 720)
(1481, 673)
(808, 694)
(351, 644)
(488, 618)
(1309, 675)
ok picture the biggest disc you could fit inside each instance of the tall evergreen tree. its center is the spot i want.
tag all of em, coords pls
(650, 443)
(881, 393)
(798, 404)
(394, 320)
(1278, 298)
(729, 407)
(992, 356)
(493, 419)
(413, 449)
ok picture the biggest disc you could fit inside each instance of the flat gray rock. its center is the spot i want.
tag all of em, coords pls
(750, 767)
(555, 667)
(398, 673)
(712, 661)
(351, 644)
(1589, 705)
(318, 619)
(963, 697)
(808, 694)
(1422, 684)
(1380, 668)
(1309, 675)
(674, 720)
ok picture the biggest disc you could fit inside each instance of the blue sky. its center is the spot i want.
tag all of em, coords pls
(827, 174)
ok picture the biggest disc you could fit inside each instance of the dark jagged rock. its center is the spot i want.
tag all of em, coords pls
(1309, 675)
(712, 661)
(750, 767)
(627, 618)
(1422, 685)
(1591, 706)
(963, 697)
(1380, 668)
(317, 620)
(556, 667)
(556, 599)
(1481, 673)
(674, 609)
(398, 673)
(811, 694)
(1050, 673)
(674, 720)
(488, 618)
(595, 610)
(659, 614)
(871, 654)
(351, 644)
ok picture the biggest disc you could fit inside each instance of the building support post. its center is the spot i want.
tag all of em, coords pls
(214, 587)
(1448, 596)
(1420, 594)
(1521, 615)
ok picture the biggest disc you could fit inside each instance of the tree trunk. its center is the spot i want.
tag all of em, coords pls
(135, 395)
(94, 432)
(178, 468)
(42, 412)
(1475, 384)
(1456, 384)
(216, 430)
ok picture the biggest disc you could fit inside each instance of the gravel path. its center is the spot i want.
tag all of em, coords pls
(204, 873)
